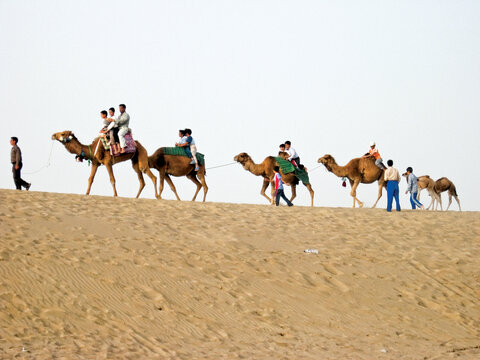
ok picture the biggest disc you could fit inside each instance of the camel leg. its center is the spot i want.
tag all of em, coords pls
(353, 193)
(312, 193)
(272, 187)
(112, 178)
(380, 189)
(140, 178)
(439, 201)
(201, 176)
(264, 188)
(196, 182)
(172, 186)
(294, 192)
(91, 177)
(154, 180)
(458, 202)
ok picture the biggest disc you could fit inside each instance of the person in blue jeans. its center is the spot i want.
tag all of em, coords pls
(392, 177)
(279, 188)
(413, 188)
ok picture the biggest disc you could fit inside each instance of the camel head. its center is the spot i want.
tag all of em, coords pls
(242, 158)
(327, 160)
(284, 155)
(63, 136)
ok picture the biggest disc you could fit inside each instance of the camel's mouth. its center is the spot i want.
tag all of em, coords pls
(54, 137)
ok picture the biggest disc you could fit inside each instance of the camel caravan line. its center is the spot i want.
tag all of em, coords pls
(168, 163)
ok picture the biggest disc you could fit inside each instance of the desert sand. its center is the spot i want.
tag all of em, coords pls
(89, 277)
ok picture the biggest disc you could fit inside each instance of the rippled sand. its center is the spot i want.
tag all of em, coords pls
(96, 277)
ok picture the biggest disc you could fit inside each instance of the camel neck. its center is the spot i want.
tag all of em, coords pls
(254, 168)
(75, 147)
(340, 171)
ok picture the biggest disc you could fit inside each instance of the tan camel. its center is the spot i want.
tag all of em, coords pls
(357, 171)
(265, 170)
(98, 156)
(444, 184)
(175, 165)
(426, 182)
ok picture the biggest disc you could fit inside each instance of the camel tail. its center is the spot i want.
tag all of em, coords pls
(453, 189)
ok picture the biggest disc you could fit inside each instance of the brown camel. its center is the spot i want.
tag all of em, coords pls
(175, 165)
(265, 170)
(98, 156)
(359, 170)
(444, 184)
(426, 182)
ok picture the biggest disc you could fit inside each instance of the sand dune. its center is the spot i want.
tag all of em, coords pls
(96, 277)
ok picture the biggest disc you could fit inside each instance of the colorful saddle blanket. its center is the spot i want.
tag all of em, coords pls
(179, 151)
(287, 167)
(130, 145)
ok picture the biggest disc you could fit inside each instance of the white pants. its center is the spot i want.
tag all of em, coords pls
(193, 149)
(121, 133)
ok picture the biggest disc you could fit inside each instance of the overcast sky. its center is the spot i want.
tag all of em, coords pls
(246, 75)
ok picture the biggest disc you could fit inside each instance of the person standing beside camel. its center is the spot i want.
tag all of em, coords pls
(279, 188)
(123, 121)
(392, 177)
(16, 160)
(413, 188)
(373, 153)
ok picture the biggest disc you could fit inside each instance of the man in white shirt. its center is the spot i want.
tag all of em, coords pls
(293, 158)
(392, 177)
(123, 120)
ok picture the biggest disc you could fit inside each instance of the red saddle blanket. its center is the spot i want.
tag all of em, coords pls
(130, 146)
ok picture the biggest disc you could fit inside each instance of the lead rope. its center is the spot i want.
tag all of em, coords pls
(44, 166)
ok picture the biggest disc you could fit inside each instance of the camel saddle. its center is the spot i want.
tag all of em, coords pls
(180, 151)
(130, 146)
(287, 167)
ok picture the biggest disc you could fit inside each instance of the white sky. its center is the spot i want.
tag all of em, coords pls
(246, 75)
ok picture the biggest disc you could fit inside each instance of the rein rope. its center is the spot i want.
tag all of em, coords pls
(44, 166)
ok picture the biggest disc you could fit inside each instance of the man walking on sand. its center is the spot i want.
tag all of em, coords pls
(392, 177)
(413, 188)
(16, 160)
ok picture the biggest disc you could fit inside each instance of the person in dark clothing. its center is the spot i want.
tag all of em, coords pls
(16, 160)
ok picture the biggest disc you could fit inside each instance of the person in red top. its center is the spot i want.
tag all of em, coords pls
(279, 188)
(373, 153)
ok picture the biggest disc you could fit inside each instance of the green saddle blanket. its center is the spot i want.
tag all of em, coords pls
(179, 151)
(287, 167)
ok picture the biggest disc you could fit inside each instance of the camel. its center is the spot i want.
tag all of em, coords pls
(444, 184)
(426, 182)
(98, 156)
(175, 165)
(265, 170)
(358, 170)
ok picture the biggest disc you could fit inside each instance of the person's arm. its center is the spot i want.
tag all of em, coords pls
(410, 184)
(18, 157)
(122, 119)
(385, 176)
(181, 145)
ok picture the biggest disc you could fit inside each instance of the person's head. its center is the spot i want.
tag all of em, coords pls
(181, 133)
(282, 147)
(276, 169)
(372, 144)
(287, 144)
(390, 162)
(111, 111)
(188, 132)
(103, 114)
(13, 140)
(122, 108)
(409, 170)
